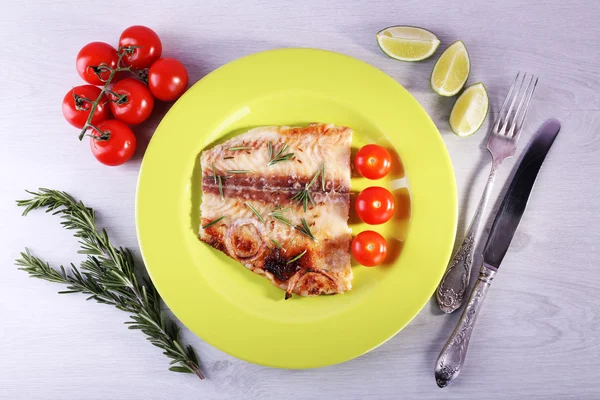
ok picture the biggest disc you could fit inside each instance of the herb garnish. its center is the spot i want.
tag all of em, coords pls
(305, 230)
(278, 245)
(220, 180)
(255, 212)
(108, 275)
(304, 196)
(299, 256)
(214, 221)
(277, 213)
(280, 156)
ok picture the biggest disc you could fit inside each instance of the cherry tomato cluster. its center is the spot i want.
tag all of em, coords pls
(131, 78)
(374, 205)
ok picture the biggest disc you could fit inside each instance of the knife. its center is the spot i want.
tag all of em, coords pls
(452, 356)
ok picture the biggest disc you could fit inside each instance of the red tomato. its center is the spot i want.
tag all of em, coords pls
(375, 205)
(91, 57)
(373, 162)
(149, 50)
(167, 79)
(77, 110)
(135, 104)
(369, 248)
(118, 148)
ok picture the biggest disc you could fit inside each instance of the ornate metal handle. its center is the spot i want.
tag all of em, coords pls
(451, 291)
(452, 356)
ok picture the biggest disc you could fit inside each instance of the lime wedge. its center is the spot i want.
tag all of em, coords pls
(470, 110)
(407, 43)
(451, 70)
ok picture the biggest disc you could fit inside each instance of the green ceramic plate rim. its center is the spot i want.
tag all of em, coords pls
(444, 250)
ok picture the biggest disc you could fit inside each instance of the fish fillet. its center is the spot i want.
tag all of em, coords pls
(255, 188)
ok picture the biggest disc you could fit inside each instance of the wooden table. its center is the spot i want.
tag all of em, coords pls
(538, 336)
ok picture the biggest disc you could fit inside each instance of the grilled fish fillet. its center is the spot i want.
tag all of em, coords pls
(254, 193)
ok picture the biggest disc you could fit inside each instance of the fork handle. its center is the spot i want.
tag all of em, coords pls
(452, 356)
(451, 291)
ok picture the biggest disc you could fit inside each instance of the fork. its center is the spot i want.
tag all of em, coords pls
(501, 144)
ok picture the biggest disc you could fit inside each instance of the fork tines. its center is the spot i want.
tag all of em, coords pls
(510, 120)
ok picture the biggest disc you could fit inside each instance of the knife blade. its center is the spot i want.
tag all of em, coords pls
(508, 216)
(515, 200)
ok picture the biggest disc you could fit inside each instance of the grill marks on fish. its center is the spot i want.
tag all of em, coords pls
(274, 183)
(324, 267)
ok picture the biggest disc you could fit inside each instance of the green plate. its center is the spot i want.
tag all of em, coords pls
(242, 313)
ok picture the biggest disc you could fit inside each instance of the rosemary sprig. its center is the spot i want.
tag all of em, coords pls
(280, 156)
(278, 245)
(323, 176)
(305, 229)
(220, 181)
(214, 173)
(255, 212)
(277, 213)
(304, 196)
(238, 148)
(108, 276)
(299, 256)
(214, 221)
(239, 171)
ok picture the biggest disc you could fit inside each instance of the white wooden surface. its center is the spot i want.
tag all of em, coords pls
(539, 334)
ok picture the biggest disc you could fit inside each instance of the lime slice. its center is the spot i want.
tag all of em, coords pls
(451, 70)
(470, 110)
(407, 43)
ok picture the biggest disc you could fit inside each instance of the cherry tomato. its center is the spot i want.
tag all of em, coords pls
(369, 248)
(135, 103)
(167, 79)
(149, 50)
(91, 57)
(77, 110)
(375, 205)
(120, 145)
(373, 162)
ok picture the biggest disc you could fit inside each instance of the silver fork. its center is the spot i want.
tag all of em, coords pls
(501, 145)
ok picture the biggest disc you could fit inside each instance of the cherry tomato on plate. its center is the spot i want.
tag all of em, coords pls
(374, 205)
(135, 102)
(148, 50)
(118, 148)
(369, 248)
(373, 161)
(91, 57)
(167, 79)
(76, 107)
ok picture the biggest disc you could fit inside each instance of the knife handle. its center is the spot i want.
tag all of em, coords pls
(452, 356)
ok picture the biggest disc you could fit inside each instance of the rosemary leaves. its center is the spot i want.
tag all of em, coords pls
(107, 275)
(280, 156)
(299, 256)
(278, 212)
(304, 196)
(305, 229)
(213, 222)
(255, 211)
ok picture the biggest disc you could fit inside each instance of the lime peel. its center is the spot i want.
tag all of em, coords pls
(451, 70)
(470, 110)
(407, 43)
